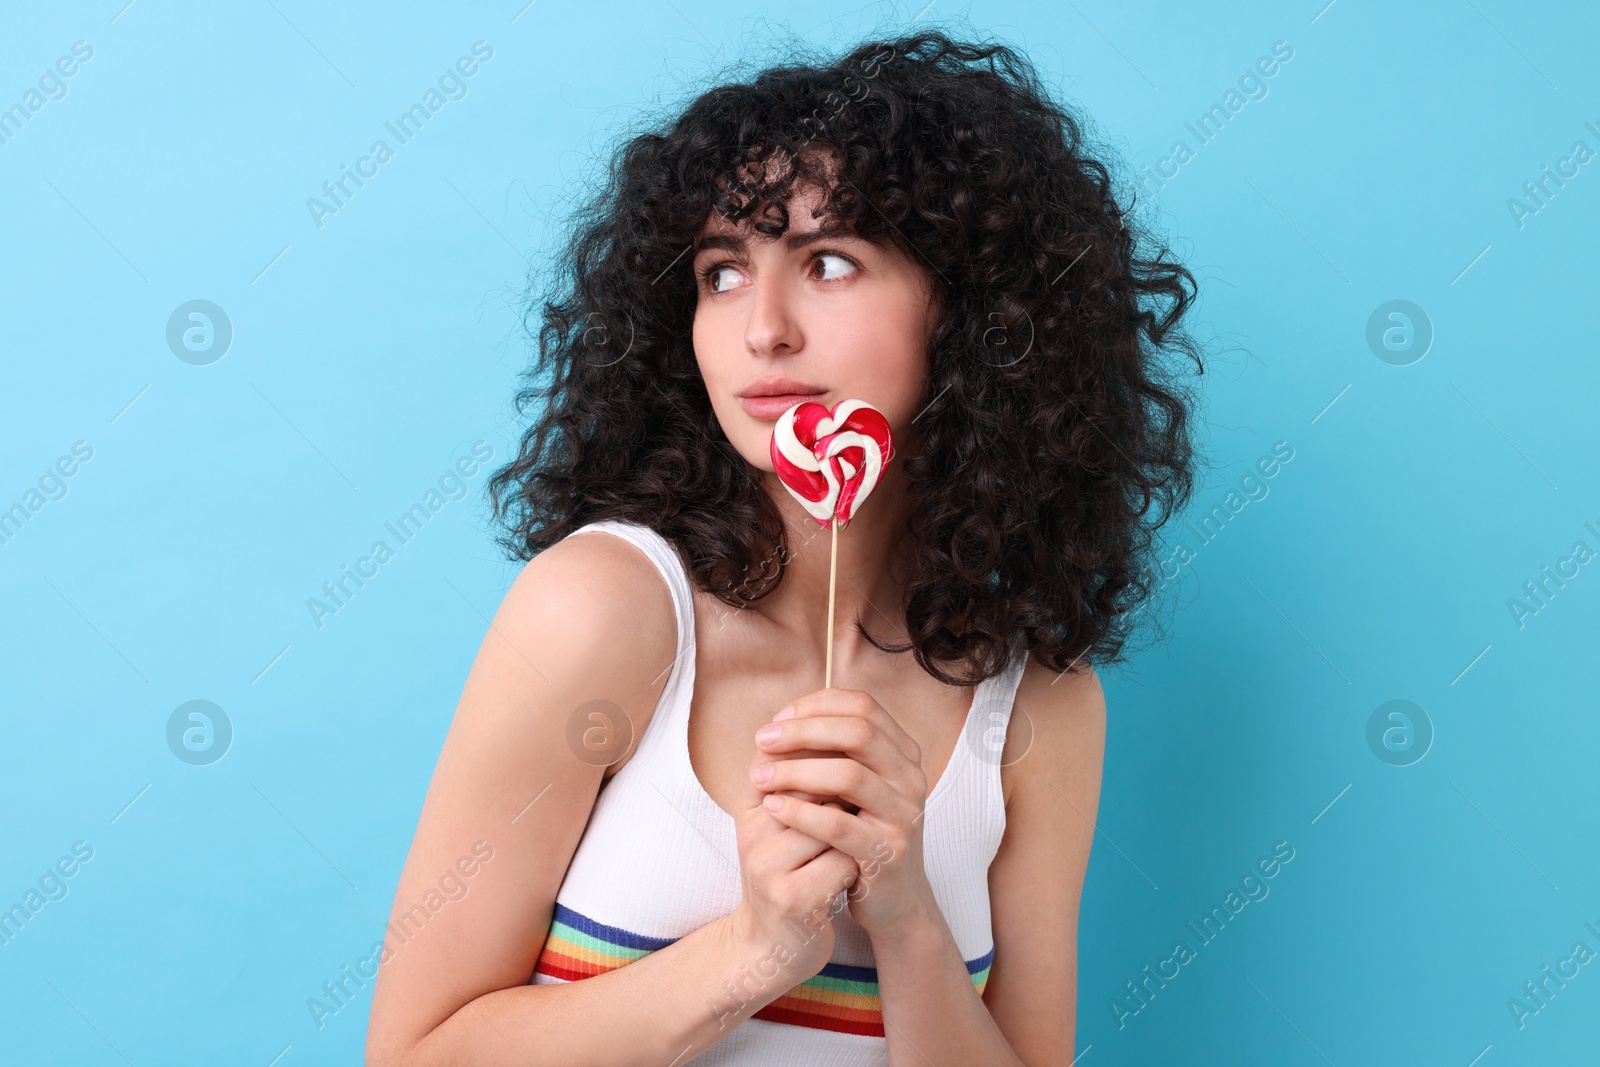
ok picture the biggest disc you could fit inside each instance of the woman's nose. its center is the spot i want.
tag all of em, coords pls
(773, 326)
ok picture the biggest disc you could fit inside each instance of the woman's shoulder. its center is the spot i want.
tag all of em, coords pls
(592, 615)
(598, 574)
(1057, 725)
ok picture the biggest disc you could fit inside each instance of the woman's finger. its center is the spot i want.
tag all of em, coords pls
(858, 738)
(856, 703)
(839, 829)
(847, 779)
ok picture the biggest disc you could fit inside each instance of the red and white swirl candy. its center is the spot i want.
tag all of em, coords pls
(831, 460)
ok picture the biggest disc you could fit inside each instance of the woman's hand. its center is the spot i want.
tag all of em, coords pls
(879, 775)
(791, 881)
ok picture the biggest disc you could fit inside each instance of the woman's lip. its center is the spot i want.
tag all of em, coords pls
(771, 407)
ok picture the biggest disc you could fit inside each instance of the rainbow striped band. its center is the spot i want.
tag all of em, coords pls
(840, 997)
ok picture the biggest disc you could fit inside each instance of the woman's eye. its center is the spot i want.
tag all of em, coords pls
(712, 274)
(833, 266)
(842, 266)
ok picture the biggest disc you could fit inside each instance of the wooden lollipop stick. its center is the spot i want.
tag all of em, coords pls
(833, 570)
(853, 438)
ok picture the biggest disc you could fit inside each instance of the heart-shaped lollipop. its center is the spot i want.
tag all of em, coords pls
(831, 460)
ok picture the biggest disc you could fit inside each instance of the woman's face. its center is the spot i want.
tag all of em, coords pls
(810, 316)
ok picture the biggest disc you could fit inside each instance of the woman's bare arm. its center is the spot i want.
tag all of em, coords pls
(1054, 757)
(589, 619)
(1051, 767)
(665, 1008)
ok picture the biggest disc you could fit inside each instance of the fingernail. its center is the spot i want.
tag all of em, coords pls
(786, 713)
(773, 801)
(768, 734)
(763, 773)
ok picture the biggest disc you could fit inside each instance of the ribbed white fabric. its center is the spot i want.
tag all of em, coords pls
(659, 857)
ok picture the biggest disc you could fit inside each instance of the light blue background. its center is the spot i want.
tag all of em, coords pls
(372, 352)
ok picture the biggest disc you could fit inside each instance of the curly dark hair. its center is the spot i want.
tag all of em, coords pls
(1050, 429)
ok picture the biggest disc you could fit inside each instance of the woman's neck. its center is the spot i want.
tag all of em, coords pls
(865, 585)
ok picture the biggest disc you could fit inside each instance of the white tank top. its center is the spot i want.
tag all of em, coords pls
(659, 859)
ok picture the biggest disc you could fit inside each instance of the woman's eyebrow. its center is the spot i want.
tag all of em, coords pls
(793, 241)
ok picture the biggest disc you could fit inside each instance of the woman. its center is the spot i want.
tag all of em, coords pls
(894, 875)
